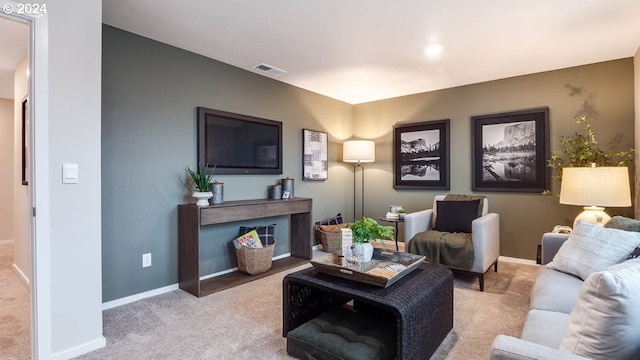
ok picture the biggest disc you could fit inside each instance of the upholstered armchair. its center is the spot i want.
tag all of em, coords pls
(485, 236)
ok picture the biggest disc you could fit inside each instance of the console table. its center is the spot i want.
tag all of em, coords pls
(191, 218)
(421, 302)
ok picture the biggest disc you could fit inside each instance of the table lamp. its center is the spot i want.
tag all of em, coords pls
(594, 188)
(358, 152)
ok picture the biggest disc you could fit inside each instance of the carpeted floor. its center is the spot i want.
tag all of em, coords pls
(246, 322)
(15, 315)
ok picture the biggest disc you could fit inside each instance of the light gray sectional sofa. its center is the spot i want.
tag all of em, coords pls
(570, 318)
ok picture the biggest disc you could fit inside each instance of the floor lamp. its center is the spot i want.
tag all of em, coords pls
(593, 188)
(358, 152)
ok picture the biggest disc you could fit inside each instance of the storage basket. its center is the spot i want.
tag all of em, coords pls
(330, 236)
(255, 260)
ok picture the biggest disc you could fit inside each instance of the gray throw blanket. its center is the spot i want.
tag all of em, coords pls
(451, 249)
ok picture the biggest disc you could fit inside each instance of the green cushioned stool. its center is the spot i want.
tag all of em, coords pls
(341, 334)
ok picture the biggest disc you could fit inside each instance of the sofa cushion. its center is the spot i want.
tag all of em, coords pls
(592, 248)
(554, 291)
(545, 327)
(604, 322)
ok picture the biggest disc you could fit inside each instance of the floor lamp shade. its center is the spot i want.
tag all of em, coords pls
(359, 151)
(594, 188)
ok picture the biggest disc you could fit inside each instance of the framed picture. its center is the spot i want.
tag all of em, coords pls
(315, 163)
(25, 142)
(510, 151)
(421, 155)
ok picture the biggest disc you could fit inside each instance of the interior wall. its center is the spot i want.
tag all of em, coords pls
(6, 163)
(149, 97)
(22, 240)
(603, 90)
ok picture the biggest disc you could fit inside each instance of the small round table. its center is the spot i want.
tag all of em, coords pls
(395, 222)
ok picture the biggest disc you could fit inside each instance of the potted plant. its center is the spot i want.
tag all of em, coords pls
(202, 193)
(364, 231)
(401, 213)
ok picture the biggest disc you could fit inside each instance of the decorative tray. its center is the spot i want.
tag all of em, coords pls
(384, 269)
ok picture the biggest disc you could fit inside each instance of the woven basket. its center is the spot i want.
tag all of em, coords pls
(329, 236)
(255, 260)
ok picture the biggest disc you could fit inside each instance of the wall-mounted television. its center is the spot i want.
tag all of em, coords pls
(239, 144)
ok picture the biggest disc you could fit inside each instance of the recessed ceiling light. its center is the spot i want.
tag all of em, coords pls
(433, 50)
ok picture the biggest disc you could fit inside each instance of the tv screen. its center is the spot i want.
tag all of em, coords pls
(239, 144)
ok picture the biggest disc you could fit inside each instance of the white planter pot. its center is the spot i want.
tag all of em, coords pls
(363, 251)
(202, 197)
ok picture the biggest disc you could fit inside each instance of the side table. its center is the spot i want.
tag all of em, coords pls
(421, 302)
(395, 222)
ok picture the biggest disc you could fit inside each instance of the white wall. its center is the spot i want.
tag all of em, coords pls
(22, 245)
(74, 210)
(6, 163)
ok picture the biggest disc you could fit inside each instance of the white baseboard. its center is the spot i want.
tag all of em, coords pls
(22, 276)
(6, 242)
(133, 298)
(80, 349)
(517, 260)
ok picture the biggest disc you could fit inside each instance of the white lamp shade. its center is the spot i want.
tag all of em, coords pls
(363, 151)
(595, 186)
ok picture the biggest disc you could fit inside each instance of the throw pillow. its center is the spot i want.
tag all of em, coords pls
(635, 254)
(267, 234)
(332, 221)
(456, 216)
(592, 248)
(604, 322)
(623, 223)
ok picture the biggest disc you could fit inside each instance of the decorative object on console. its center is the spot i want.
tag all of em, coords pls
(593, 188)
(275, 192)
(287, 187)
(202, 180)
(365, 230)
(421, 155)
(217, 189)
(315, 162)
(358, 152)
(510, 151)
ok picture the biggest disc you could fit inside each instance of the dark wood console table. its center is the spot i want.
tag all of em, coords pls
(191, 218)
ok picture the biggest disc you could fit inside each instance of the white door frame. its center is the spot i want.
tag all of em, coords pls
(37, 93)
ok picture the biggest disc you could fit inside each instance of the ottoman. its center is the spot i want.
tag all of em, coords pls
(341, 334)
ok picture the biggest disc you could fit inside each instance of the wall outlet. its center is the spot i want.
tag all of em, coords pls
(146, 260)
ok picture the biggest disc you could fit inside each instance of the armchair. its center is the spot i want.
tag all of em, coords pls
(485, 236)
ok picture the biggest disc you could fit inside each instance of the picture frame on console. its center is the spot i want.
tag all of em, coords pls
(315, 160)
(421, 155)
(510, 151)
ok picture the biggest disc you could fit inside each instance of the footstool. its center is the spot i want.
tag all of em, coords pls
(343, 334)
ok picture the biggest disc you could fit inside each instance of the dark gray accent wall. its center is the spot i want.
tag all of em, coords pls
(604, 91)
(150, 92)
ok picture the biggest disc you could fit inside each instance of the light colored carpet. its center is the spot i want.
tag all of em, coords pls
(15, 315)
(245, 322)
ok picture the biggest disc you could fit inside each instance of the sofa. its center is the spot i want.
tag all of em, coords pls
(585, 301)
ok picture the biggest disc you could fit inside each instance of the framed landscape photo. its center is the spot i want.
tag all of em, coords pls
(315, 162)
(421, 155)
(510, 151)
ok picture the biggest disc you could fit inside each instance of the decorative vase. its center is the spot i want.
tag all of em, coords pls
(218, 192)
(363, 251)
(202, 197)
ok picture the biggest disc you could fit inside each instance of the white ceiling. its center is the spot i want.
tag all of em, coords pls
(13, 48)
(364, 50)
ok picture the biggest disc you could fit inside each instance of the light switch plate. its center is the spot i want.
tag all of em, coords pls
(69, 173)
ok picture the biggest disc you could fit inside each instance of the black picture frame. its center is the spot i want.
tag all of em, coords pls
(421, 155)
(315, 155)
(510, 151)
(25, 142)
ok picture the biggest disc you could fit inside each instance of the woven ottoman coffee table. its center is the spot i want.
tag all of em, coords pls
(421, 303)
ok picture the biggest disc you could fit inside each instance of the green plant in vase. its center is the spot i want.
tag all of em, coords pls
(202, 181)
(365, 230)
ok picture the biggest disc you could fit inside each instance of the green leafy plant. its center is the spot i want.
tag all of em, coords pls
(582, 150)
(368, 229)
(201, 179)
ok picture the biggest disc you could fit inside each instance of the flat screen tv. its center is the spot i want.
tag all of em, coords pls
(239, 144)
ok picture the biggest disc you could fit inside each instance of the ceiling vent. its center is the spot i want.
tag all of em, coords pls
(269, 69)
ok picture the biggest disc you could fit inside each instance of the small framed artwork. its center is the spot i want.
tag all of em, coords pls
(25, 142)
(421, 155)
(315, 163)
(510, 151)
(286, 195)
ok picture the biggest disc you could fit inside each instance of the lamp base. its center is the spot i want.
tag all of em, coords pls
(594, 215)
